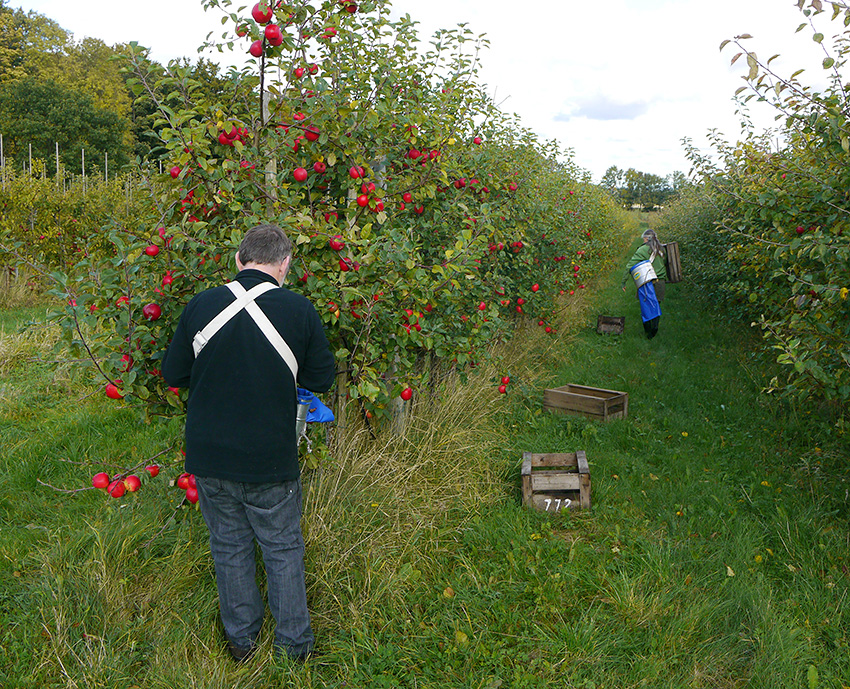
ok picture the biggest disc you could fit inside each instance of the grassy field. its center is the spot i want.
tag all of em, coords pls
(716, 553)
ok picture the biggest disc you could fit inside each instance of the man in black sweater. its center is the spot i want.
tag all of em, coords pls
(240, 348)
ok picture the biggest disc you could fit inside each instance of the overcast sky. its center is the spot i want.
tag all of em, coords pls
(621, 82)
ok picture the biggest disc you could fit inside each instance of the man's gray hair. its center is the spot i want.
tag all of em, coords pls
(266, 245)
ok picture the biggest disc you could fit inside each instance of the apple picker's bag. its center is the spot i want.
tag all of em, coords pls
(310, 408)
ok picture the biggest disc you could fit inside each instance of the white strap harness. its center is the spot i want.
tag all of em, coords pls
(245, 300)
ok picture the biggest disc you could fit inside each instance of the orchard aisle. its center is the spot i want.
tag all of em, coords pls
(716, 550)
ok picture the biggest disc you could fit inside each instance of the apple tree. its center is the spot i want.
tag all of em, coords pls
(785, 214)
(416, 207)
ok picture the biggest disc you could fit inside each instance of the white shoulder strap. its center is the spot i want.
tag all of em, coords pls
(245, 300)
(242, 298)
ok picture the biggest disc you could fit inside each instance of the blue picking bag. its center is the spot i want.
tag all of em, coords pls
(316, 412)
(649, 307)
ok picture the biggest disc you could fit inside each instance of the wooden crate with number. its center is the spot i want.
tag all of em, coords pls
(552, 482)
(594, 403)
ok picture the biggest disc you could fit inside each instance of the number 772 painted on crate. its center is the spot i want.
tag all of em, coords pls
(555, 481)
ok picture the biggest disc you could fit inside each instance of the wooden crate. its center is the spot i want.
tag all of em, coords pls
(672, 262)
(594, 403)
(555, 481)
(613, 325)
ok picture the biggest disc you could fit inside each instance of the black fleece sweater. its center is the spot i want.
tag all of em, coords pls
(240, 421)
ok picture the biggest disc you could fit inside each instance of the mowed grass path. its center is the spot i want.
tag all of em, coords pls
(716, 553)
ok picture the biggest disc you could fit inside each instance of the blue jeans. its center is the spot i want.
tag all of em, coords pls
(236, 514)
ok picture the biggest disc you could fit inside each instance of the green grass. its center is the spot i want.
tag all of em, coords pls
(715, 555)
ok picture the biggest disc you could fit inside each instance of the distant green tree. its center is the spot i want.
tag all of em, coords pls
(46, 113)
(29, 43)
(635, 189)
(612, 181)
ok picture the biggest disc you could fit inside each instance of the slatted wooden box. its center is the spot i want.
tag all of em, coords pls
(672, 262)
(594, 403)
(610, 325)
(555, 481)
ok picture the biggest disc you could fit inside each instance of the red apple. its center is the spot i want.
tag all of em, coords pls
(100, 480)
(273, 35)
(174, 172)
(192, 495)
(152, 469)
(362, 200)
(406, 394)
(336, 243)
(407, 197)
(116, 489)
(152, 250)
(506, 380)
(132, 483)
(300, 174)
(311, 133)
(355, 172)
(535, 287)
(503, 389)
(256, 49)
(319, 167)
(183, 481)
(151, 311)
(262, 15)
(477, 140)
(112, 392)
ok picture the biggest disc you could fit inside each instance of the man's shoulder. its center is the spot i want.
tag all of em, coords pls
(211, 294)
(291, 299)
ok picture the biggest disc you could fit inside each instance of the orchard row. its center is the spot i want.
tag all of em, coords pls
(781, 258)
(425, 221)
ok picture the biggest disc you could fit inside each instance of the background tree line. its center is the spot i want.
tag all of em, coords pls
(648, 192)
(54, 89)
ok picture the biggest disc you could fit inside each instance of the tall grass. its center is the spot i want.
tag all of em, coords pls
(715, 554)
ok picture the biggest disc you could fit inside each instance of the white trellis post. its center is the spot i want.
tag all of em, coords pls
(57, 165)
(84, 170)
(30, 160)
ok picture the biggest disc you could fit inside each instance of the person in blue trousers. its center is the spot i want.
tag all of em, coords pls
(646, 267)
